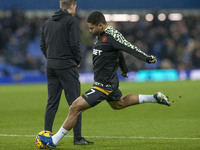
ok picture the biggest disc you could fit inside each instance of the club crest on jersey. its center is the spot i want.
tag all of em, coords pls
(97, 52)
(104, 39)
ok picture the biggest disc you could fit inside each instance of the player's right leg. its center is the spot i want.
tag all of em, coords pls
(71, 85)
(77, 107)
(89, 99)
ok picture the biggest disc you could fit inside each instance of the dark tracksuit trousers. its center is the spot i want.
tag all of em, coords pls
(59, 79)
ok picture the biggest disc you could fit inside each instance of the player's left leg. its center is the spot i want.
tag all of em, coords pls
(133, 99)
(123, 102)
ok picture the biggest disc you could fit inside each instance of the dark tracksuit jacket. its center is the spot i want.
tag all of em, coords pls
(60, 41)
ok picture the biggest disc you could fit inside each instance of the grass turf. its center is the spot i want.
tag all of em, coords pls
(141, 127)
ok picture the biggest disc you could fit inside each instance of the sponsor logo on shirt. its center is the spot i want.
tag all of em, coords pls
(97, 52)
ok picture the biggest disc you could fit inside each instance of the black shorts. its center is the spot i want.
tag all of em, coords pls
(96, 95)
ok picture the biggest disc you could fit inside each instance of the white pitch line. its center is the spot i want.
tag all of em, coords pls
(112, 137)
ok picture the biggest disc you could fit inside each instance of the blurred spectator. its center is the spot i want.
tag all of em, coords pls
(196, 58)
(175, 44)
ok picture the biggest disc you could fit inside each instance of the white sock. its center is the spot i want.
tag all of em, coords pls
(59, 135)
(147, 99)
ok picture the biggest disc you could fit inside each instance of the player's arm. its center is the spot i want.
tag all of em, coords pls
(122, 66)
(42, 42)
(119, 42)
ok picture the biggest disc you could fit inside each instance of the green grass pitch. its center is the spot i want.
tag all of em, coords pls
(141, 127)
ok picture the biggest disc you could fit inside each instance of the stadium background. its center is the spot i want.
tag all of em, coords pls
(168, 29)
(142, 127)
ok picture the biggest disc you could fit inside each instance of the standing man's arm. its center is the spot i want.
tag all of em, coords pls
(42, 42)
(74, 35)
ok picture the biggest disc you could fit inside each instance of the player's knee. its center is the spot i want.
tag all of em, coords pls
(74, 108)
(117, 106)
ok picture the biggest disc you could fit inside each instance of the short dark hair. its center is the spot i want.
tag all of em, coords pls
(96, 17)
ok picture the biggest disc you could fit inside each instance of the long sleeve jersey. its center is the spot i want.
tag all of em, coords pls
(106, 53)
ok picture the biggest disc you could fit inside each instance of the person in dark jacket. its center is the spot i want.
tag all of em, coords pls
(60, 43)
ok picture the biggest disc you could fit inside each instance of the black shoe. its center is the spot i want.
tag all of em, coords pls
(82, 141)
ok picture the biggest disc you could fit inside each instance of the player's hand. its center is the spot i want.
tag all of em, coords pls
(151, 59)
(125, 75)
